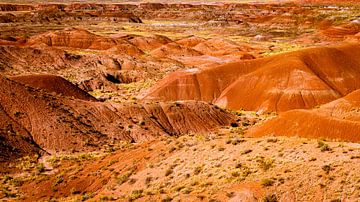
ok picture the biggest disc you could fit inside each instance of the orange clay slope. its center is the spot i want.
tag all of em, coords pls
(301, 79)
(56, 84)
(15, 141)
(337, 120)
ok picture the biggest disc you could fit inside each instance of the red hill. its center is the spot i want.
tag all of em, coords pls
(33, 119)
(301, 79)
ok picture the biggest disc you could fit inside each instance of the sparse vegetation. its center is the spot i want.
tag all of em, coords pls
(270, 198)
(41, 168)
(197, 170)
(87, 196)
(168, 172)
(326, 168)
(323, 146)
(146, 148)
(267, 182)
(266, 164)
(8, 193)
(247, 151)
(123, 178)
(136, 194)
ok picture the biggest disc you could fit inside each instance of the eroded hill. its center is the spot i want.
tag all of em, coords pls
(57, 123)
(301, 79)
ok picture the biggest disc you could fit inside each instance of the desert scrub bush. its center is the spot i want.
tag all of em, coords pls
(168, 172)
(148, 181)
(221, 148)
(17, 181)
(326, 168)
(166, 199)
(197, 170)
(58, 179)
(267, 182)
(17, 114)
(247, 151)
(179, 188)
(323, 146)
(41, 168)
(172, 149)
(266, 164)
(136, 194)
(270, 198)
(194, 183)
(107, 198)
(272, 140)
(230, 194)
(86, 196)
(75, 191)
(132, 181)
(312, 159)
(27, 163)
(186, 190)
(246, 171)
(235, 173)
(123, 178)
(8, 193)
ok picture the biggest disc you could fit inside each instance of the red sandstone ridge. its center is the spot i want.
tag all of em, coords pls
(301, 79)
(337, 120)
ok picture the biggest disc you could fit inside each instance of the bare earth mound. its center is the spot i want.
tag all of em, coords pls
(301, 79)
(337, 120)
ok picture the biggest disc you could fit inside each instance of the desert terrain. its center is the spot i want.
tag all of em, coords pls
(180, 100)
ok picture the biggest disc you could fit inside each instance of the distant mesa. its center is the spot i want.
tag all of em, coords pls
(190, 41)
(296, 80)
(220, 47)
(150, 43)
(342, 31)
(75, 38)
(174, 50)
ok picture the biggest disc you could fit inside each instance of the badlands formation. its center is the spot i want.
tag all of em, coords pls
(179, 100)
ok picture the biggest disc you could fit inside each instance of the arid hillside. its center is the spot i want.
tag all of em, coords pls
(53, 122)
(207, 101)
(301, 79)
